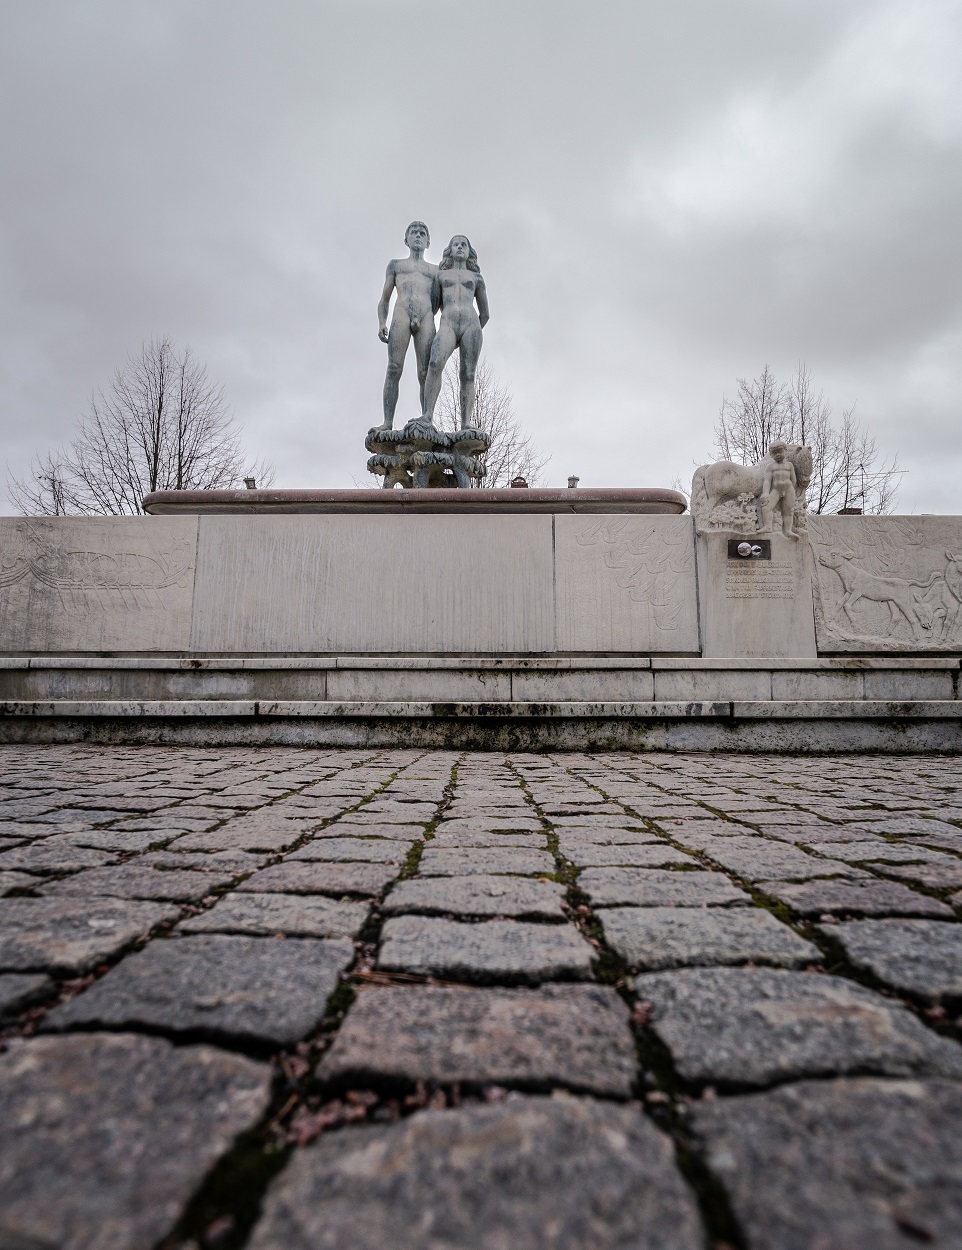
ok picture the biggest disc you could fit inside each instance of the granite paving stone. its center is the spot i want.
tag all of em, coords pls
(902, 826)
(294, 915)
(368, 829)
(919, 957)
(756, 859)
(215, 986)
(456, 862)
(19, 990)
(659, 887)
(357, 850)
(233, 862)
(122, 841)
(607, 837)
(18, 881)
(877, 851)
(593, 855)
(491, 824)
(576, 1036)
(461, 838)
(488, 1178)
(52, 856)
(270, 838)
(104, 1138)
(851, 1164)
(870, 897)
(134, 880)
(320, 878)
(598, 822)
(675, 937)
(65, 936)
(747, 1027)
(943, 875)
(491, 950)
(477, 895)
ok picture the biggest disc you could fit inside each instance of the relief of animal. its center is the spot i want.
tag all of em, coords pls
(897, 593)
(712, 484)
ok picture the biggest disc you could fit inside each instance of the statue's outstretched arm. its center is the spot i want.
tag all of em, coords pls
(481, 295)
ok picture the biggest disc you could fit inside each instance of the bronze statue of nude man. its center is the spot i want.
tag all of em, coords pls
(461, 287)
(414, 281)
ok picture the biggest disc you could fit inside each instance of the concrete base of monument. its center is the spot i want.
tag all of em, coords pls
(469, 702)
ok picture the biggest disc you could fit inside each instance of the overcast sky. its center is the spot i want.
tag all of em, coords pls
(663, 195)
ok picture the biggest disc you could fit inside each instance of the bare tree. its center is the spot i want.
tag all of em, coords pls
(849, 470)
(512, 452)
(161, 425)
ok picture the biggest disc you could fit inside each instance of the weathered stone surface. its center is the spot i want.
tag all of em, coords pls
(232, 862)
(659, 887)
(52, 856)
(920, 957)
(233, 988)
(123, 841)
(103, 1139)
(593, 855)
(857, 898)
(320, 878)
(674, 937)
(19, 990)
(941, 875)
(576, 838)
(756, 859)
(463, 838)
(355, 825)
(65, 936)
(291, 914)
(754, 1026)
(492, 824)
(492, 950)
(358, 850)
(135, 881)
(487, 1178)
(856, 1164)
(272, 837)
(571, 1035)
(878, 850)
(477, 896)
(17, 881)
(440, 862)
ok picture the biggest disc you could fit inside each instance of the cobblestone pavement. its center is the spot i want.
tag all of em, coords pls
(358, 999)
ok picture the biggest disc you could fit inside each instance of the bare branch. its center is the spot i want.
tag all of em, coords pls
(160, 425)
(512, 452)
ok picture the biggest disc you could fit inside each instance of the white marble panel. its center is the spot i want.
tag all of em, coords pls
(887, 583)
(756, 607)
(96, 583)
(626, 583)
(414, 584)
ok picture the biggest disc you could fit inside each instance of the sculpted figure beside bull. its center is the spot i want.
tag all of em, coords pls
(744, 499)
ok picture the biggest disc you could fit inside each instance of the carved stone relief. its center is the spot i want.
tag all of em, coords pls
(93, 583)
(888, 583)
(731, 498)
(626, 583)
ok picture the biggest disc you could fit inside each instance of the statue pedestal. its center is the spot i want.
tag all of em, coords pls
(755, 606)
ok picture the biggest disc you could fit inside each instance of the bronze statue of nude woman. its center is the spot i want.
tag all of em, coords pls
(460, 287)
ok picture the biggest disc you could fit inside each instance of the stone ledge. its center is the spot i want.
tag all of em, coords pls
(329, 709)
(379, 501)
